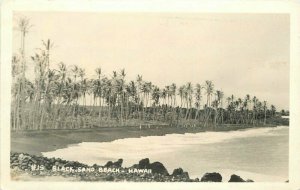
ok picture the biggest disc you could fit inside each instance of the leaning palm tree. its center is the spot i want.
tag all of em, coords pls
(23, 27)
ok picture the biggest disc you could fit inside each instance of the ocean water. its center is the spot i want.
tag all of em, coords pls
(260, 154)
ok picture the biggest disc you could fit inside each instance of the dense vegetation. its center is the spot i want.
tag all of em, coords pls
(66, 98)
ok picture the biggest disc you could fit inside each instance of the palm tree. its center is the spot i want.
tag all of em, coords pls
(23, 27)
(121, 91)
(155, 97)
(140, 82)
(132, 95)
(247, 102)
(146, 89)
(181, 94)
(173, 94)
(273, 110)
(209, 87)
(198, 97)
(219, 101)
(98, 89)
(254, 101)
(189, 98)
(265, 111)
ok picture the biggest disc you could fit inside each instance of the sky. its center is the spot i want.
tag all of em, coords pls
(241, 53)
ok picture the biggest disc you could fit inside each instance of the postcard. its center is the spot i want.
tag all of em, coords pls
(141, 94)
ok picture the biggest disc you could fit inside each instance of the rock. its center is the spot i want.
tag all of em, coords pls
(144, 163)
(95, 166)
(118, 163)
(52, 160)
(236, 178)
(135, 166)
(158, 167)
(109, 178)
(178, 171)
(249, 180)
(185, 175)
(14, 164)
(211, 177)
(108, 164)
(71, 163)
(21, 156)
(77, 164)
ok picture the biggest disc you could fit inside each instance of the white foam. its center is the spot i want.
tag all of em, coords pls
(151, 145)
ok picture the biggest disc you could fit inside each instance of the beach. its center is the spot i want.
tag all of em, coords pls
(35, 142)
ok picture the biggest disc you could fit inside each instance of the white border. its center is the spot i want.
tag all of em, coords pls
(224, 6)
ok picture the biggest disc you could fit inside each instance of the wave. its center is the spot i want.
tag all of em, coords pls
(151, 146)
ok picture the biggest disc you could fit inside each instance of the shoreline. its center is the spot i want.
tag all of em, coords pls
(36, 142)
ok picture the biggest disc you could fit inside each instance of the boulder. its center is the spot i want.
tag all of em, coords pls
(158, 167)
(185, 175)
(236, 178)
(135, 166)
(70, 164)
(108, 164)
(180, 173)
(118, 163)
(211, 177)
(144, 163)
(109, 178)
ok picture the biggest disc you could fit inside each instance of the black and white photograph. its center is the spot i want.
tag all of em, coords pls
(149, 96)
